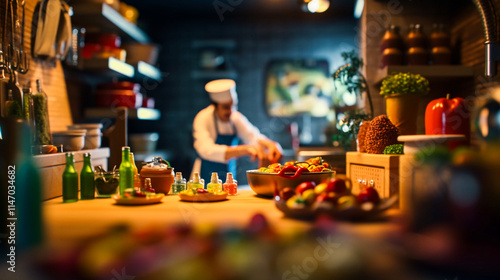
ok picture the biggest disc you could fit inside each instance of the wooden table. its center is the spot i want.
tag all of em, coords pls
(66, 223)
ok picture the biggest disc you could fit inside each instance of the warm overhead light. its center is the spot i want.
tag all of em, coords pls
(316, 6)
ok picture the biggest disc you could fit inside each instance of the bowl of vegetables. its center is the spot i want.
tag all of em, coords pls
(334, 198)
(264, 180)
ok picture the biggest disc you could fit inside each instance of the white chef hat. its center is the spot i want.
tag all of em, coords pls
(222, 91)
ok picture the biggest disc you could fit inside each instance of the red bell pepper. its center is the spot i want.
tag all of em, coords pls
(298, 171)
(448, 116)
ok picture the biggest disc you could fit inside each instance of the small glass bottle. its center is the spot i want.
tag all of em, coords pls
(196, 182)
(215, 184)
(179, 183)
(137, 179)
(41, 110)
(27, 103)
(70, 180)
(87, 186)
(148, 187)
(126, 171)
(231, 185)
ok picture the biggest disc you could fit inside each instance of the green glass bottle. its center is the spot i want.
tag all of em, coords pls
(87, 187)
(70, 180)
(126, 171)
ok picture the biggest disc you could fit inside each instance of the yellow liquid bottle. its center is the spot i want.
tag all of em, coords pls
(215, 184)
(196, 182)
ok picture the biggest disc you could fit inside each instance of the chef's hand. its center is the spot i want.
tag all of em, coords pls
(274, 150)
(242, 150)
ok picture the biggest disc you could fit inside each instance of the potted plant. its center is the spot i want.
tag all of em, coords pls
(350, 76)
(402, 93)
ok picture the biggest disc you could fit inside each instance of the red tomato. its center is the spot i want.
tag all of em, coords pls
(368, 194)
(336, 185)
(448, 116)
(302, 187)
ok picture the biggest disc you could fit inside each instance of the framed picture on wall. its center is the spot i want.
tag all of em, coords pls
(296, 87)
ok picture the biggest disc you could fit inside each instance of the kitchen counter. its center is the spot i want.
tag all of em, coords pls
(67, 223)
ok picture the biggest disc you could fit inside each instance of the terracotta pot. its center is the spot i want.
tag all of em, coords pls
(402, 110)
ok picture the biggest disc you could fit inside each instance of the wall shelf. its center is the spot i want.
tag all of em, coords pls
(100, 17)
(139, 113)
(115, 68)
(109, 66)
(145, 70)
(428, 71)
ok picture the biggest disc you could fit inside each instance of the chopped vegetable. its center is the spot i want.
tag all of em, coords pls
(316, 164)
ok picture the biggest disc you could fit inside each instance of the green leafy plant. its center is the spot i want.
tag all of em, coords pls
(396, 149)
(350, 75)
(404, 83)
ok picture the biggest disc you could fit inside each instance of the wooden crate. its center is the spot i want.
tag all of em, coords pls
(382, 169)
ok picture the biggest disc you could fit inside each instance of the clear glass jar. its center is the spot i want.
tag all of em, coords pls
(41, 112)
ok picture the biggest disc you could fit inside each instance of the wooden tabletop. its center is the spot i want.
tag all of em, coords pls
(67, 223)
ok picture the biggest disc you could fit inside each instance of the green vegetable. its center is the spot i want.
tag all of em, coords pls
(395, 149)
(404, 83)
(13, 109)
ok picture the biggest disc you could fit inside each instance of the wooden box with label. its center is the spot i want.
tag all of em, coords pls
(382, 169)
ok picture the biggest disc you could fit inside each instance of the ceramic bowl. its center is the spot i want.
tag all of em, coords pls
(72, 140)
(93, 135)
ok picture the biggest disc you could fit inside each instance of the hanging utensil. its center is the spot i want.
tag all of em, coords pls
(3, 65)
(24, 62)
(13, 84)
(12, 54)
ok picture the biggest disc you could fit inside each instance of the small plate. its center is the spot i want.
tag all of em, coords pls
(205, 197)
(138, 200)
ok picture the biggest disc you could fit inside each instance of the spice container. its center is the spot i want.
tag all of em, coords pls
(161, 174)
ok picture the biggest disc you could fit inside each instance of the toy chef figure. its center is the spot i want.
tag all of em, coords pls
(218, 128)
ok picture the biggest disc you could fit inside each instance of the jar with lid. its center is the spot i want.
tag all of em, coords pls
(439, 37)
(391, 39)
(391, 47)
(161, 174)
(440, 43)
(41, 116)
(416, 37)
